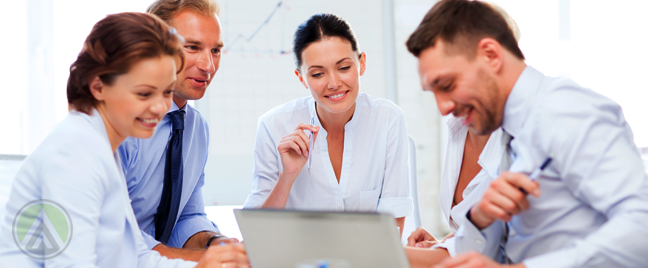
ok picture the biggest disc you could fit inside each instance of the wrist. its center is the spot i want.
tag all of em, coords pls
(288, 177)
(477, 219)
(213, 239)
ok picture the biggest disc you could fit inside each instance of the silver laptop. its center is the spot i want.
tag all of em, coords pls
(299, 239)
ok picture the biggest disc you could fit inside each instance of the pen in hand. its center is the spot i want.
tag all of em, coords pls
(534, 175)
(311, 146)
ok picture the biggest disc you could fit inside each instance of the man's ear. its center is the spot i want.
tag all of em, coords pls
(96, 88)
(301, 78)
(363, 63)
(491, 52)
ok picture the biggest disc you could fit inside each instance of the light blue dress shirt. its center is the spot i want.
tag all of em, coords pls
(75, 167)
(374, 175)
(143, 161)
(593, 208)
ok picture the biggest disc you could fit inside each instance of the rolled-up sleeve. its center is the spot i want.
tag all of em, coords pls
(395, 197)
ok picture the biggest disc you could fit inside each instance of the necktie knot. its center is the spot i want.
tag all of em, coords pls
(177, 119)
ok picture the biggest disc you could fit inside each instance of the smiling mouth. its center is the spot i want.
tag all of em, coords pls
(337, 96)
(465, 117)
(149, 120)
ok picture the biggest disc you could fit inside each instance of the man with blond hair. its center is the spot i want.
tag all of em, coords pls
(165, 173)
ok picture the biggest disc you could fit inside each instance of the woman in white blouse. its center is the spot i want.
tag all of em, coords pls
(360, 149)
(472, 163)
(120, 85)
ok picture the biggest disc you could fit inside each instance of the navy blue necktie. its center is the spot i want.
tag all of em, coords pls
(167, 211)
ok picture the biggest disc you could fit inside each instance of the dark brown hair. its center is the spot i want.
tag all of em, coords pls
(462, 24)
(114, 45)
(318, 27)
(167, 9)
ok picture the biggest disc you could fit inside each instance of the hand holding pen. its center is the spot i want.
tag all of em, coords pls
(506, 197)
(296, 147)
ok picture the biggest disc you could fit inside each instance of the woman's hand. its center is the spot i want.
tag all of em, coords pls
(226, 255)
(420, 238)
(294, 149)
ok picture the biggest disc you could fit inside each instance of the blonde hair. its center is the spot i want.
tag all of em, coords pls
(167, 9)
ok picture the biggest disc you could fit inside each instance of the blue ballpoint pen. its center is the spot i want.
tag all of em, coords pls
(534, 175)
(310, 151)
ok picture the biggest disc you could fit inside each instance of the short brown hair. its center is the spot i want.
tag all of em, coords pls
(462, 23)
(114, 45)
(167, 9)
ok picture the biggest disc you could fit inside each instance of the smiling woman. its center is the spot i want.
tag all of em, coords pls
(358, 154)
(119, 86)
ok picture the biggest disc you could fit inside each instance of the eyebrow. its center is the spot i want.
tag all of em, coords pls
(153, 87)
(146, 85)
(338, 62)
(196, 42)
(441, 77)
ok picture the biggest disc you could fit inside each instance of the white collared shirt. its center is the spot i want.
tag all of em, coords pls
(489, 160)
(74, 166)
(594, 203)
(374, 175)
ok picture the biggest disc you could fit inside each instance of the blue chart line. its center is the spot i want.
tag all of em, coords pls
(248, 39)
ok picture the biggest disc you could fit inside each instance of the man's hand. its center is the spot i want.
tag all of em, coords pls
(503, 199)
(421, 238)
(473, 260)
(230, 256)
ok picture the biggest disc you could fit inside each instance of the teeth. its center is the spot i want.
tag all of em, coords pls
(337, 96)
(150, 121)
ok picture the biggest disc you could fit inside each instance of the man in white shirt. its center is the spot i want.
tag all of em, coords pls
(588, 208)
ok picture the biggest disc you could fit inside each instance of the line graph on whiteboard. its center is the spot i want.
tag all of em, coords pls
(259, 29)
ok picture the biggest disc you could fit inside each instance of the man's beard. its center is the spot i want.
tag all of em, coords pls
(489, 122)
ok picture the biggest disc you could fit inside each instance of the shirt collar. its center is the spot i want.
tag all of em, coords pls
(454, 125)
(520, 100)
(174, 107)
(491, 155)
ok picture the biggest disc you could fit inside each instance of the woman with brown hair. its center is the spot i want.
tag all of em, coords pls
(69, 202)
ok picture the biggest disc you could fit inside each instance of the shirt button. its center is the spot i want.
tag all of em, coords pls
(479, 241)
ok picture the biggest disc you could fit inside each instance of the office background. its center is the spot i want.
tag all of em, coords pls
(599, 44)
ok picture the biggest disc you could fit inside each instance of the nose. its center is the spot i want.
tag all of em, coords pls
(205, 62)
(161, 106)
(445, 104)
(334, 81)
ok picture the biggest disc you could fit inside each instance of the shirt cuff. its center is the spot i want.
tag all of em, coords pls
(486, 241)
(186, 228)
(149, 240)
(449, 245)
(396, 206)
